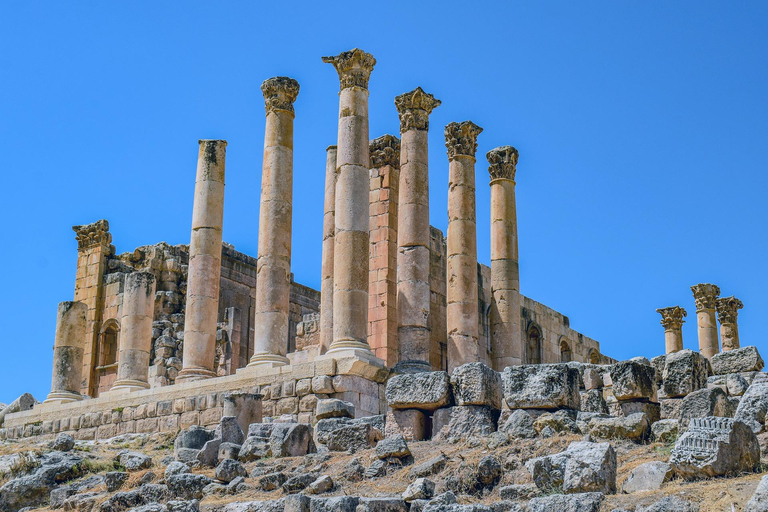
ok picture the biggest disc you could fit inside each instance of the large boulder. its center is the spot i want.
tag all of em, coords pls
(713, 447)
(193, 438)
(648, 477)
(187, 486)
(133, 461)
(292, 439)
(334, 408)
(706, 402)
(745, 359)
(541, 386)
(633, 380)
(476, 384)
(635, 427)
(759, 500)
(353, 438)
(753, 407)
(583, 467)
(471, 421)
(665, 431)
(424, 390)
(34, 487)
(519, 424)
(254, 448)
(229, 469)
(229, 431)
(685, 371)
(583, 502)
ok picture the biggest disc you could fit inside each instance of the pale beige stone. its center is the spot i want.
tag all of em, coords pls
(68, 352)
(672, 320)
(727, 313)
(136, 332)
(706, 296)
(329, 230)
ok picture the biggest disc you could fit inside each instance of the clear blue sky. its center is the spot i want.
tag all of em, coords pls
(641, 127)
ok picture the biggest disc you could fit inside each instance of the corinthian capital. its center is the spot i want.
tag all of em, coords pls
(502, 163)
(728, 309)
(705, 296)
(354, 67)
(672, 318)
(461, 139)
(385, 150)
(414, 108)
(92, 235)
(279, 93)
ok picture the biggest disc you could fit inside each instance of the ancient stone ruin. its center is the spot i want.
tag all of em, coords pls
(409, 340)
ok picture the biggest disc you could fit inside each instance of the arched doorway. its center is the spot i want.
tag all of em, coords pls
(105, 372)
(534, 344)
(565, 351)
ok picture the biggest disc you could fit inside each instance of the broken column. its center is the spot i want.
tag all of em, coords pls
(382, 272)
(506, 330)
(135, 332)
(672, 320)
(351, 240)
(329, 227)
(201, 315)
(273, 281)
(461, 291)
(728, 312)
(413, 237)
(705, 296)
(68, 351)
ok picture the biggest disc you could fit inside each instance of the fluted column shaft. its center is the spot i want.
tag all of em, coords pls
(68, 349)
(672, 320)
(351, 239)
(506, 319)
(204, 263)
(462, 317)
(705, 296)
(135, 332)
(329, 228)
(413, 238)
(273, 280)
(727, 312)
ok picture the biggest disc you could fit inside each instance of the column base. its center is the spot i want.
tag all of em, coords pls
(62, 397)
(267, 360)
(191, 374)
(338, 347)
(412, 366)
(126, 386)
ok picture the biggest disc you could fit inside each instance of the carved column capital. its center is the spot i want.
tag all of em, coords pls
(414, 108)
(354, 67)
(461, 139)
(728, 309)
(92, 235)
(502, 163)
(385, 150)
(705, 295)
(672, 318)
(279, 93)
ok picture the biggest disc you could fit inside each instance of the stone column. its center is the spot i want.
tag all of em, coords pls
(135, 332)
(462, 318)
(705, 296)
(413, 238)
(672, 320)
(329, 228)
(273, 280)
(382, 285)
(728, 312)
(506, 329)
(68, 351)
(351, 240)
(201, 315)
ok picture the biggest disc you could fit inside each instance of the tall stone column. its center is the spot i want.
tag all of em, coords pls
(506, 319)
(705, 296)
(462, 318)
(273, 280)
(68, 348)
(135, 332)
(351, 240)
(201, 315)
(329, 228)
(413, 239)
(672, 320)
(382, 285)
(728, 312)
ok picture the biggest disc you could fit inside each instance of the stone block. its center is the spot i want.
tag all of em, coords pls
(753, 406)
(342, 383)
(635, 427)
(440, 418)
(706, 402)
(670, 408)
(476, 384)
(714, 447)
(541, 386)
(592, 378)
(106, 431)
(303, 387)
(685, 371)
(188, 419)
(745, 359)
(426, 391)
(326, 367)
(178, 405)
(592, 401)
(410, 423)
(151, 409)
(288, 405)
(334, 408)
(164, 408)
(306, 417)
(651, 409)
(291, 440)
(470, 421)
(308, 403)
(665, 431)
(353, 437)
(190, 404)
(168, 423)
(322, 384)
(126, 427)
(633, 380)
(582, 467)
(648, 477)
(211, 416)
(289, 388)
(580, 502)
